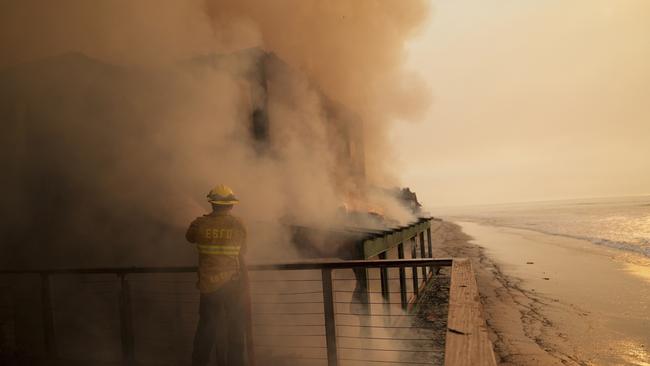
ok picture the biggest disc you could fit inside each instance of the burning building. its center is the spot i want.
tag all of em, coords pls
(101, 159)
(267, 77)
(113, 161)
(107, 151)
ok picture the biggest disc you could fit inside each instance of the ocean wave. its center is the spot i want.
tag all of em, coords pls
(644, 241)
(641, 247)
(630, 247)
(620, 245)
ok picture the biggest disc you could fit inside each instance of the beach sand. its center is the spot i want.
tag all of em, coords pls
(552, 300)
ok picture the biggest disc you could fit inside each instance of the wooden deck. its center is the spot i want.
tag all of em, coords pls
(467, 341)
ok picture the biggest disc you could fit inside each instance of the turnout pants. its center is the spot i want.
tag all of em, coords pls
(221, 325)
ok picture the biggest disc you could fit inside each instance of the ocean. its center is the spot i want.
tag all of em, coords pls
(619, 223)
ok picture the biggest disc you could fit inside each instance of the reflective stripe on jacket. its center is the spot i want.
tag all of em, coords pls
(219, 249)
(220, 239)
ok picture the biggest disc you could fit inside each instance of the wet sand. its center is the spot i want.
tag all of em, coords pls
(555, 301)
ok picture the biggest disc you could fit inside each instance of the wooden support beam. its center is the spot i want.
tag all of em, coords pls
(402, 277)
(383, 276)
(330, 317)
(414, 269)
(422, 254)
(430, 247)
(374, 246)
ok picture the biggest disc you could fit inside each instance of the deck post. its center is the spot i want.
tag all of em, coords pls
(423, 255)
(330, 319)
(414, 254)
(402, 277)
(48, 316)
(361, 289)
(430, 245)
(126, 321)
(383, 275)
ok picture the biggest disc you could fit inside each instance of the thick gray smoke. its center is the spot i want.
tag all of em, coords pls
(118, 116)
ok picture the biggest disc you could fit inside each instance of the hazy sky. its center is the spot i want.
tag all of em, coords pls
(533, 100)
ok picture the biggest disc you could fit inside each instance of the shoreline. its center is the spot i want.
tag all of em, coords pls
(532, 307)
(504, 303)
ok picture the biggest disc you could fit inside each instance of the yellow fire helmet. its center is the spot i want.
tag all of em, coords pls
(222, 195)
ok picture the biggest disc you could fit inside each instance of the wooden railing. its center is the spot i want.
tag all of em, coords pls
(466, 337)
(125, 305)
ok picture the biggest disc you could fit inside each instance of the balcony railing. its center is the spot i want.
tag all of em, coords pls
(328, 291)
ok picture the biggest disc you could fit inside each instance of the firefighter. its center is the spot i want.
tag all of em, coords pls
(221, 242)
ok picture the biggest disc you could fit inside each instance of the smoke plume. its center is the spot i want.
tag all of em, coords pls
(119, 116)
